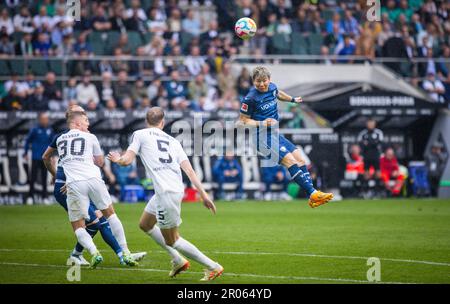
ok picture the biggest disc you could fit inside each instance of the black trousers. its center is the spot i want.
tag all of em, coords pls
(38, 167)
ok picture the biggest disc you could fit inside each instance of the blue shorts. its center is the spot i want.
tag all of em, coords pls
(62, 200)
(274, 149)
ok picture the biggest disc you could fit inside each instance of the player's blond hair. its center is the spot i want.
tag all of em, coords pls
(73, 108)
(154, 116)
(72, 115)
(260, 72)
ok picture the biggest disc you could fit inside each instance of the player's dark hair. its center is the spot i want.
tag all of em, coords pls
(154, 116)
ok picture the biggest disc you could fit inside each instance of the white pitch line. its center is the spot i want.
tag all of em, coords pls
(269, 253)
(225, 274)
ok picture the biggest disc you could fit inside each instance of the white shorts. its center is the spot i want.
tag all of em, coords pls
(79, 195)
(167, 209)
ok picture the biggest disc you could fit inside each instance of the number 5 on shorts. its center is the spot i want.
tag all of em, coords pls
(161, 215)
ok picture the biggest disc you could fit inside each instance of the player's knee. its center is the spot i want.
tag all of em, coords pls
(144, 226)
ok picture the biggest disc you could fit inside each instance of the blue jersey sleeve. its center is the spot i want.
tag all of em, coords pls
(53, 143)
(247, 106)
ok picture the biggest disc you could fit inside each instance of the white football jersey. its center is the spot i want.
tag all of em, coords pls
(76, 150)
(161, 155)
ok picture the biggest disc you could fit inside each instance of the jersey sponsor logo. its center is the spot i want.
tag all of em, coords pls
(244, 107)
(268, 105)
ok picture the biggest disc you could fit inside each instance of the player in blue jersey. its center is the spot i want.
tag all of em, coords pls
(97, 222)
(259, 109)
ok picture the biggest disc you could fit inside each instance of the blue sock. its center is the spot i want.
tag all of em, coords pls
(92, 230)
(301, 176)
(108, 237)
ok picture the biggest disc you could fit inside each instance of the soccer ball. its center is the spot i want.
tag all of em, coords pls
(245, 28)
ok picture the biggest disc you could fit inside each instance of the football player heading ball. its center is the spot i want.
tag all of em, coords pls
(259, 109)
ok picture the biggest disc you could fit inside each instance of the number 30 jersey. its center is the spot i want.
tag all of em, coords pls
(76, 150)
(161, 155)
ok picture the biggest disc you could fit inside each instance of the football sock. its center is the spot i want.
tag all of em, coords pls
(108, 236)
(86, 240)
(92, 230)
(118, 232)
(301, 176)
(156, 235)
(190, 251)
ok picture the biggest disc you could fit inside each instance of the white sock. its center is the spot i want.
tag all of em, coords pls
(86, 240)
(190, 251)
(156, 235)
(118, 232)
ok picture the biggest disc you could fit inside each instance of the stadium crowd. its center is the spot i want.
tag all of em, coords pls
(201, 78)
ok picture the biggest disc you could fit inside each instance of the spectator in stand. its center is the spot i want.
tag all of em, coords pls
(194, 61)
(430, 66)
(85, 23)
(190, 24)
(354, 169)
(67, 46)
(118, 19)
(244, 82)
(37, 101)
(139, 91)
(30, 82)
(197, 88)
(390, 172)
(24, 47)
(347, 48)
(156, 23)
(6, 46)
(121, 87)
(227, 82)
(335, 25)
(435, 162)
(125, 175)
(174, 21)
(70, 91)
(86, 91)
(6, 22)
(43, 46)
(434, 87)
(302, 24)
(42, 18)
(127, 103)
(444, 71)
(110, 104)
(136, 10)
(276, 175)
(39, 138)
(100, 22)
(15, 82)
(228, 170)
(175, 87)
(365, 45)
(52, 91)
(13, 101)
(391, 10)
(211, 34)
(136, 24)
(82, 44)
(23, 21)
(350, 24)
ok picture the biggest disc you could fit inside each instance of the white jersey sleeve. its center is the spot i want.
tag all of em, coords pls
(97, 150)
(135, 144)
(178, 152)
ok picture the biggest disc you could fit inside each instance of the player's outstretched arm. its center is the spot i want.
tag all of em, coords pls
(246, 120)
(187, 168)
(46, 158)
(124, 160)
(286, 97)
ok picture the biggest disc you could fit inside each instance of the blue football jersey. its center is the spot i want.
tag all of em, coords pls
(261, 105)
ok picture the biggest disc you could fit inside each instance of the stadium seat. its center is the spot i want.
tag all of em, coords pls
(315, 43)
(56, 66)
(98, 47)
(147, 37)
(299, 44)
(4, 68)
(186, 39)
(39, 67)
(134, 40)
(17, 66)
(281, 44)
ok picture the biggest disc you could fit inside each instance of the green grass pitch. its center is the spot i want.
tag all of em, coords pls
(256, 242)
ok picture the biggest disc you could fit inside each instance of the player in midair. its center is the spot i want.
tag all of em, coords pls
(81, 157)
(97, 222)
(163, 158)
(259, 109)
